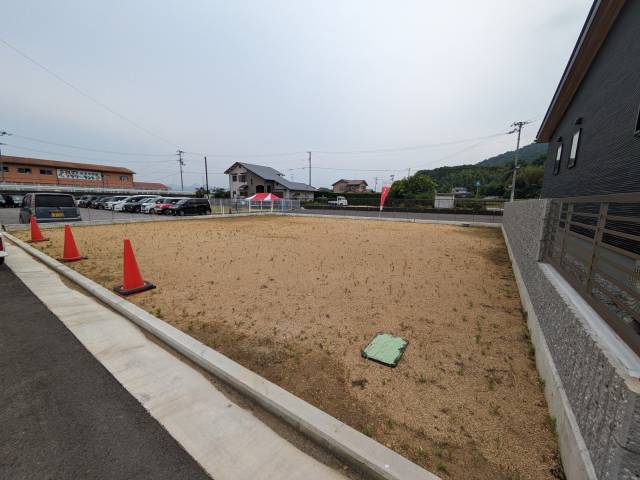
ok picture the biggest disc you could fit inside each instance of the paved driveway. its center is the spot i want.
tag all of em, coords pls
(62, 415)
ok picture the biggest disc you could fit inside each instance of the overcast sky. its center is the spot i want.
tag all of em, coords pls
(281, 76)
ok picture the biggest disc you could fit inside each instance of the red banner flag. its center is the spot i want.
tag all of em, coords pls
(383, 196)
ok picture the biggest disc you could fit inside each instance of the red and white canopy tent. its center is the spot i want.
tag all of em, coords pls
(264, 197)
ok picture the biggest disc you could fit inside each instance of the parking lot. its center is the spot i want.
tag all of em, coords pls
(9, 216)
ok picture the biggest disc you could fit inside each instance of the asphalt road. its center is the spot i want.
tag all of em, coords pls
(418, 216)
(10, 215)
(62, 415)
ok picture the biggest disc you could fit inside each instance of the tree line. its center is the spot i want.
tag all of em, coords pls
(494, 181)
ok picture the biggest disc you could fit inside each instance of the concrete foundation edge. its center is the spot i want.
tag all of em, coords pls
(576, 460)
(355, 448)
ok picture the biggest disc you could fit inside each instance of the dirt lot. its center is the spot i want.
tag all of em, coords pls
(296, 299)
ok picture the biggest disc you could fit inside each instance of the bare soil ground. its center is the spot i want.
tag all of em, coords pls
(296, 299)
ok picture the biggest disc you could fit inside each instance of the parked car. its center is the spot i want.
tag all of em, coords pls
(85, 200)
(99, 204)
(190, 206)
(148, 204)
(162, 208)
(118, 206)
(80, 202)
(3, 252)
(134, 204)
(109, 204)
(49, 207)
(93, 203)
(340, 201)
(6, 201)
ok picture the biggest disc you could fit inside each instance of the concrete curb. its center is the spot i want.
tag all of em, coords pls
(355, 448)
(573, 449)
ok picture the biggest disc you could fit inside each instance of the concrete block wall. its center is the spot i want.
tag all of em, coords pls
(601, 394)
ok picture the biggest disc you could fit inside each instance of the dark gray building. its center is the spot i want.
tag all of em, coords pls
(576, 251)
(593, 123)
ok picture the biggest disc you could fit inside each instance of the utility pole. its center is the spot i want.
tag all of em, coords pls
(517, 128)
(181, 163)
(408, 172)
(1, 164)
(375, 187)
(2, 134)
(309, 168)
(206, 175)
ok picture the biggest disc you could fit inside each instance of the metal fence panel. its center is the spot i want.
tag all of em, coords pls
(594, 242)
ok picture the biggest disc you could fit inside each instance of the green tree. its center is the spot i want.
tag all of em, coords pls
(415, 186)
(529, 181)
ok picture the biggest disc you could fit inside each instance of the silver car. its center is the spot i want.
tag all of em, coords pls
(49, 207)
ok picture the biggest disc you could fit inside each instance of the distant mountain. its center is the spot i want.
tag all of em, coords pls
(528, 154)
(492, 177)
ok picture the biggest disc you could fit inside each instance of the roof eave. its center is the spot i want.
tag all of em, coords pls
(593, 34)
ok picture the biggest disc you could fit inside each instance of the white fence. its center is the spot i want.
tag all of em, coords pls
(224, 206)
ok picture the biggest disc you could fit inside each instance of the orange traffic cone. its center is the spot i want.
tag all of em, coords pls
(36, 234)
(70, 252)
(132, 281)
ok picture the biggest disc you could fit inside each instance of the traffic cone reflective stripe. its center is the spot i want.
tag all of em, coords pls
(132, 281)
(70, 253)
(36, 234)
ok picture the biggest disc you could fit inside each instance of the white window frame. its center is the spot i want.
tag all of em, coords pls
(575, 148)
(558, 159)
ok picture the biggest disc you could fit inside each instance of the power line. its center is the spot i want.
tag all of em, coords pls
(354, 169)
(398, 169)
(446, 157)
(88, 149)
(250, 155)
(218, 155)
(247, 155)
(82, 157)
(415, 147)
(84, 94)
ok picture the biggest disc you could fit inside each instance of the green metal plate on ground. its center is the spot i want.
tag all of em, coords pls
(385, 349)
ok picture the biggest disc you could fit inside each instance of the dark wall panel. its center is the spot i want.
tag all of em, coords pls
(608, 102)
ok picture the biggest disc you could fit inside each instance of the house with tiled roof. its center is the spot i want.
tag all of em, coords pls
(350, 186)
(247, 179)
